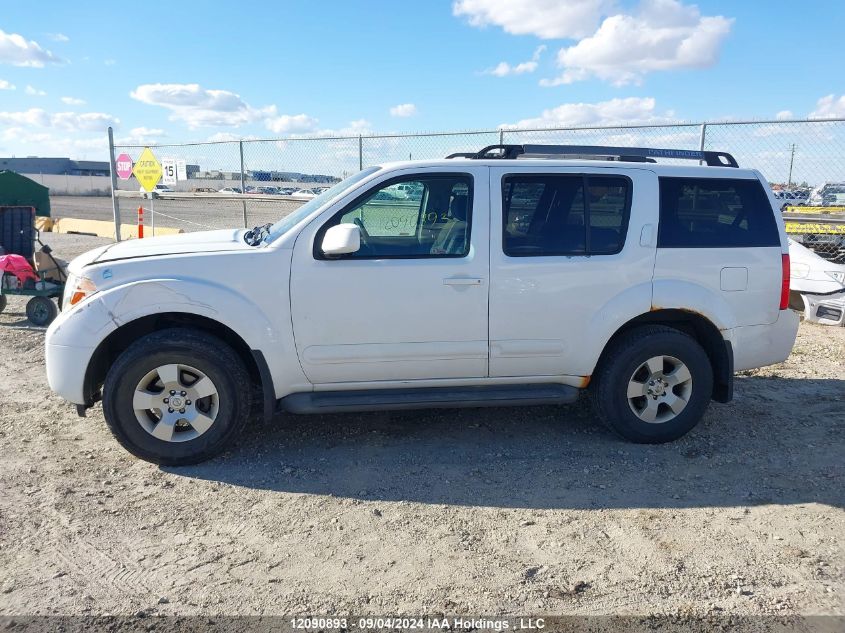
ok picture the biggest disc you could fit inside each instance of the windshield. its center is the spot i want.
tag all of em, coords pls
(281, 227)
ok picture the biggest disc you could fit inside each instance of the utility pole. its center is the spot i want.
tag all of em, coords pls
(791, 160)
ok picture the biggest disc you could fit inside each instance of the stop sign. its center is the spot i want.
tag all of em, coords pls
(123, 166)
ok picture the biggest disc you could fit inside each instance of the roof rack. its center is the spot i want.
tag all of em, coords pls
(630, 154)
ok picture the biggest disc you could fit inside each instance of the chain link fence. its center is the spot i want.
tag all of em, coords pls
(252, 181)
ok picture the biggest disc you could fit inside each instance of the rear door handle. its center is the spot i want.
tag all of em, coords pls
(463, 281)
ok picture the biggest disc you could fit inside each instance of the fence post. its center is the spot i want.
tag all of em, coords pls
(243, 188)
(360, 152)
(115, 206)
(501, 137)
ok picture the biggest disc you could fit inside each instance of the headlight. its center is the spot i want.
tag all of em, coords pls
(77, 288)
(838, 275)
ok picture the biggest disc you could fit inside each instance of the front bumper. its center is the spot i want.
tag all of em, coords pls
(66, 367)
(826, 309)
(68, 347)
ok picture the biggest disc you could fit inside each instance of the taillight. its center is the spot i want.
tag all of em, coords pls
(784, 282)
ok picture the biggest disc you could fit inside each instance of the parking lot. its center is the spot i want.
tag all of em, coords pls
(197, 214)
(534, 510)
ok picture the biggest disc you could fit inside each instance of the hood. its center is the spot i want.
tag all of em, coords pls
(182, 243)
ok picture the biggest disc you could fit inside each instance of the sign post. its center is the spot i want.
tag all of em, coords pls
(147, 170)
(114, 204)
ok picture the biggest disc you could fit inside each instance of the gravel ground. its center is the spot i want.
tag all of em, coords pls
(534, 510)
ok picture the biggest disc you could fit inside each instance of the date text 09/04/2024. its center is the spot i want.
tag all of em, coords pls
(420, 623)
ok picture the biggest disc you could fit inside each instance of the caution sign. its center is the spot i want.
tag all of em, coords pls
(147, 170)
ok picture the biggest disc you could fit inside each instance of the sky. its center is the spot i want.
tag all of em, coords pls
(186, 71)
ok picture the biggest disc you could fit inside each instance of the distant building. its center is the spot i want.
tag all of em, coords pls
(37, 165)
(66, 166)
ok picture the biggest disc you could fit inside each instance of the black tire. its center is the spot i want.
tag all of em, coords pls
(2, 301)
(183, 346)
(41, 311)
(619, 363)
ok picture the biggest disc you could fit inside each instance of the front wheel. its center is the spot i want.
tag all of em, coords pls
(177, 397)
(653, 385)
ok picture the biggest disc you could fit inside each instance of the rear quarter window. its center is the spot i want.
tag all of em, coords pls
(715, 213)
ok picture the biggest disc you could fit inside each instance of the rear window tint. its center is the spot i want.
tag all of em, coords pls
(715, 213)
(549, 214)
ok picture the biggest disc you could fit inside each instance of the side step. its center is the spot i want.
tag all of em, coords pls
(427, 398)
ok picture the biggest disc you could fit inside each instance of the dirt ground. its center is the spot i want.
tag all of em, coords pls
(499, 511)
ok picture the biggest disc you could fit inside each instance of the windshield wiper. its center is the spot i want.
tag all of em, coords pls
(256, 235)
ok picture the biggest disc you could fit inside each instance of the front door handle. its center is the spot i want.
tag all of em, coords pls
(463, 281)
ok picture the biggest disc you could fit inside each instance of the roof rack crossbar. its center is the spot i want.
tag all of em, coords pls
(638, 154)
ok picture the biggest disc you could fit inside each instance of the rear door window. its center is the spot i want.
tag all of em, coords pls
(564, 214)
(715, 213)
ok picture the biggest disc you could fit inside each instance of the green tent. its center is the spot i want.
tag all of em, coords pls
(20, 191)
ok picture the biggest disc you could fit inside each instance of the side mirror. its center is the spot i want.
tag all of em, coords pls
(341, 240)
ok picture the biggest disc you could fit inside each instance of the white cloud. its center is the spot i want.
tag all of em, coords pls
(58, 37)
(547, 19)
(784, 115)
(109, 62)
(141, 136)
(201, 107)
(25, 141)
(661, 35)
(5, 85)
(503, 69)
(228, 137)
(147, 131)
(35, 92)
(829, 107)
(291, 123)
(18, 51)
(88, 121)
(66, 121)
(403, 110)
(353, 128)
(72, 101)
(625, 111)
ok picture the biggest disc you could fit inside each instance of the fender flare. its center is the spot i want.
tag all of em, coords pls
(132, 301)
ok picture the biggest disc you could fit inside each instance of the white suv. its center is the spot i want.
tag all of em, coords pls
(501, 280)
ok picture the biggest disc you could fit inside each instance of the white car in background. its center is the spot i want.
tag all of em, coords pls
(304, 193)
(828, 194)
(791, 198)
(817, 286)
(159, 188)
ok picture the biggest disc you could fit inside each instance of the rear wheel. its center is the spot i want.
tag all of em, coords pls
(2, 302)
(41, 311)
(653, 385)
(177, 397)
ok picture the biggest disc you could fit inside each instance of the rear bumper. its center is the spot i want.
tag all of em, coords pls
(761, 345)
